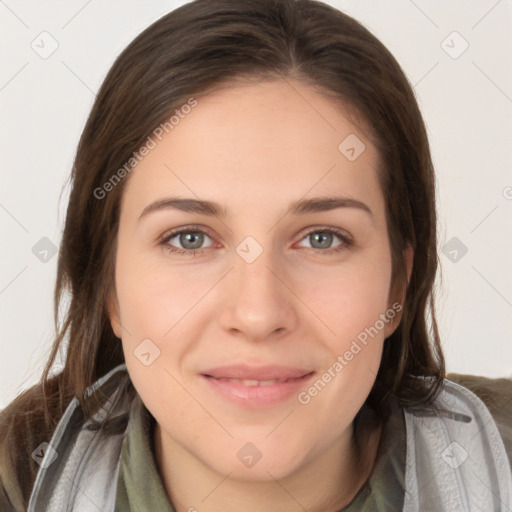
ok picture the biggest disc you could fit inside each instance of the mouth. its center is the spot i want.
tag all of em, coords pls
(245, 372)
(256, 387)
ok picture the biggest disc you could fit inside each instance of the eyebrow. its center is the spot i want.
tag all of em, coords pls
(203, 207)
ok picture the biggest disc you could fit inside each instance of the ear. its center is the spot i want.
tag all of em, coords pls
(113, 313)
(398, 293)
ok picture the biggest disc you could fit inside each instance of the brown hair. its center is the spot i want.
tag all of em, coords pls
(186, 53)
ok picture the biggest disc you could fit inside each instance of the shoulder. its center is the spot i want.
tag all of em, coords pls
(496, 394)
(460, 448)
(23, 428)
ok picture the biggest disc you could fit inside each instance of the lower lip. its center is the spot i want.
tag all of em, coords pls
(258, 396)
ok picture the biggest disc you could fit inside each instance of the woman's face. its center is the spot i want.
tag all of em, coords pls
(281, 286)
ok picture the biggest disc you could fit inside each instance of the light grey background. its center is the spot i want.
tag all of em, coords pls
(466, 100)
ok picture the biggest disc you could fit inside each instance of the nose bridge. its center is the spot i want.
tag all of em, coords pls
(259, 303)
(254, 280)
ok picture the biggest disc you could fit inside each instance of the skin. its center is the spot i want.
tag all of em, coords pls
(295, 304)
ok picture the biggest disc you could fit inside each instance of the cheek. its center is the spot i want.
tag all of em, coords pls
(153, 304)
(153, 298)
(351, 301)
(347, 298)
(353, 305)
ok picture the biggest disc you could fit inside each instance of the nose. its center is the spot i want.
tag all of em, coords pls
(259, 304)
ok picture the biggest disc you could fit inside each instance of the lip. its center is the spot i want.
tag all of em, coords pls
(289, 382)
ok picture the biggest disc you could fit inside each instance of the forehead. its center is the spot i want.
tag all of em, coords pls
(275, 141)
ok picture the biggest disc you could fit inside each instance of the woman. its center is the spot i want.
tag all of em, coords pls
(250, 251)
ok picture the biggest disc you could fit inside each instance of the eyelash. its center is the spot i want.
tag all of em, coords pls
(164, 241)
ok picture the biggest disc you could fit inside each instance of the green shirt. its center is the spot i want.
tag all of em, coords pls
(140, 487)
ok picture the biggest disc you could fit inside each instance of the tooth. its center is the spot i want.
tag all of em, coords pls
(250, 382)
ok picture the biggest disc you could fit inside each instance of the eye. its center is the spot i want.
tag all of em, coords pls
(323, 238)
(189, 241)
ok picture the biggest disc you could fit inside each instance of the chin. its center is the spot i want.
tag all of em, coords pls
(258, 461)
(260, 472)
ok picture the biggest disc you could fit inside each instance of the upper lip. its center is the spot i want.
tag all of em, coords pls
(262, 373)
